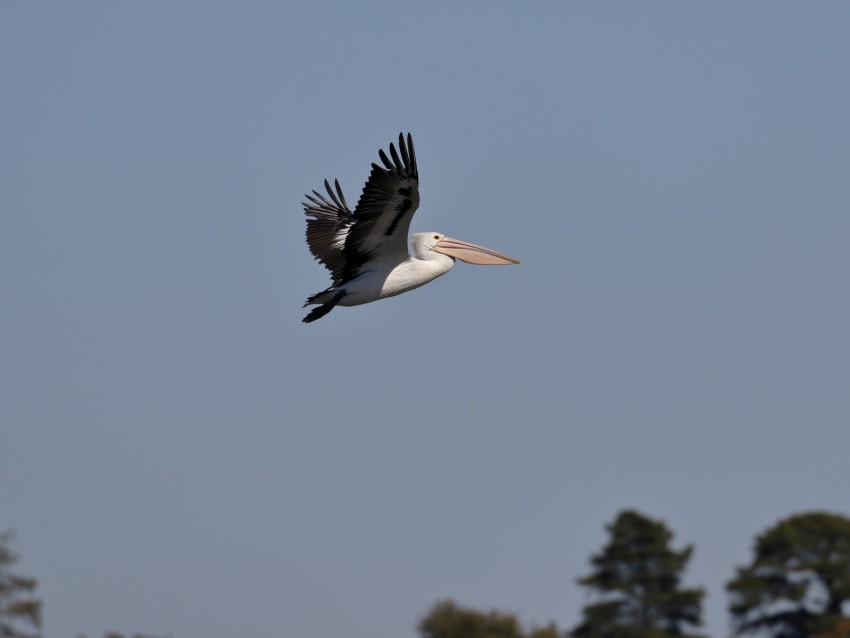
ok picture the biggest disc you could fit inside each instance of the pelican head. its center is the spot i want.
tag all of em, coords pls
(424, 243)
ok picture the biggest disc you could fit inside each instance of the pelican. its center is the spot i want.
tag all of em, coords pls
(366, 250)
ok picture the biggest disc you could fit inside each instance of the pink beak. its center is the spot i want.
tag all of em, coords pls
(472, 254)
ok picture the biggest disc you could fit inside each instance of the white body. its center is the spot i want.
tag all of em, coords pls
(392, 275)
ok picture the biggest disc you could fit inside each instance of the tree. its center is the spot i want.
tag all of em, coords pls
(636, 577)
(798, 583)
(20, 611)
(448, 620)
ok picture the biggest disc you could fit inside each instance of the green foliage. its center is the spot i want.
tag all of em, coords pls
(636, 577)
(448, 620)
(798, 581)
(20, 612)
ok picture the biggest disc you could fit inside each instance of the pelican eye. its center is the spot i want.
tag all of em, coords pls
(437, 237)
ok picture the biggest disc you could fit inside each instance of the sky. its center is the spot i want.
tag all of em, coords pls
(181, 455)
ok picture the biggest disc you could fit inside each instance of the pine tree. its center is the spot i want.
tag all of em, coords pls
(798, 583)
(636, 577)
(20, 611)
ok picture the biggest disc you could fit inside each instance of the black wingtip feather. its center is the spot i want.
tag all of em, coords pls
(385, 159)
(412, 153)
(398, 164)
(333, 195)
(341, 196)
(405, 157)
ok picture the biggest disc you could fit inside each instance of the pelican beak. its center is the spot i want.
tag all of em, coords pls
(472, 254)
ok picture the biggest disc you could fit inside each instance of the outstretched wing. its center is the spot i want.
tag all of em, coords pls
(382, 216)
(328, 221)
(344, 241)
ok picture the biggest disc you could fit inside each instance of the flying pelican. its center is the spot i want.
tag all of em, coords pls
(366, 250)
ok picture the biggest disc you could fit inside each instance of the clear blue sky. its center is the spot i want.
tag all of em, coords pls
(180, 454)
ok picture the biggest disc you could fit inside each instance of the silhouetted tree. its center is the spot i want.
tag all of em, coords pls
(20, 611)
(798, 583)
(448, 620)
(636, 578)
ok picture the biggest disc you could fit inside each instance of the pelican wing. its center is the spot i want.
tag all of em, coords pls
(382, 216)
(344, 240)
(328, 222)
